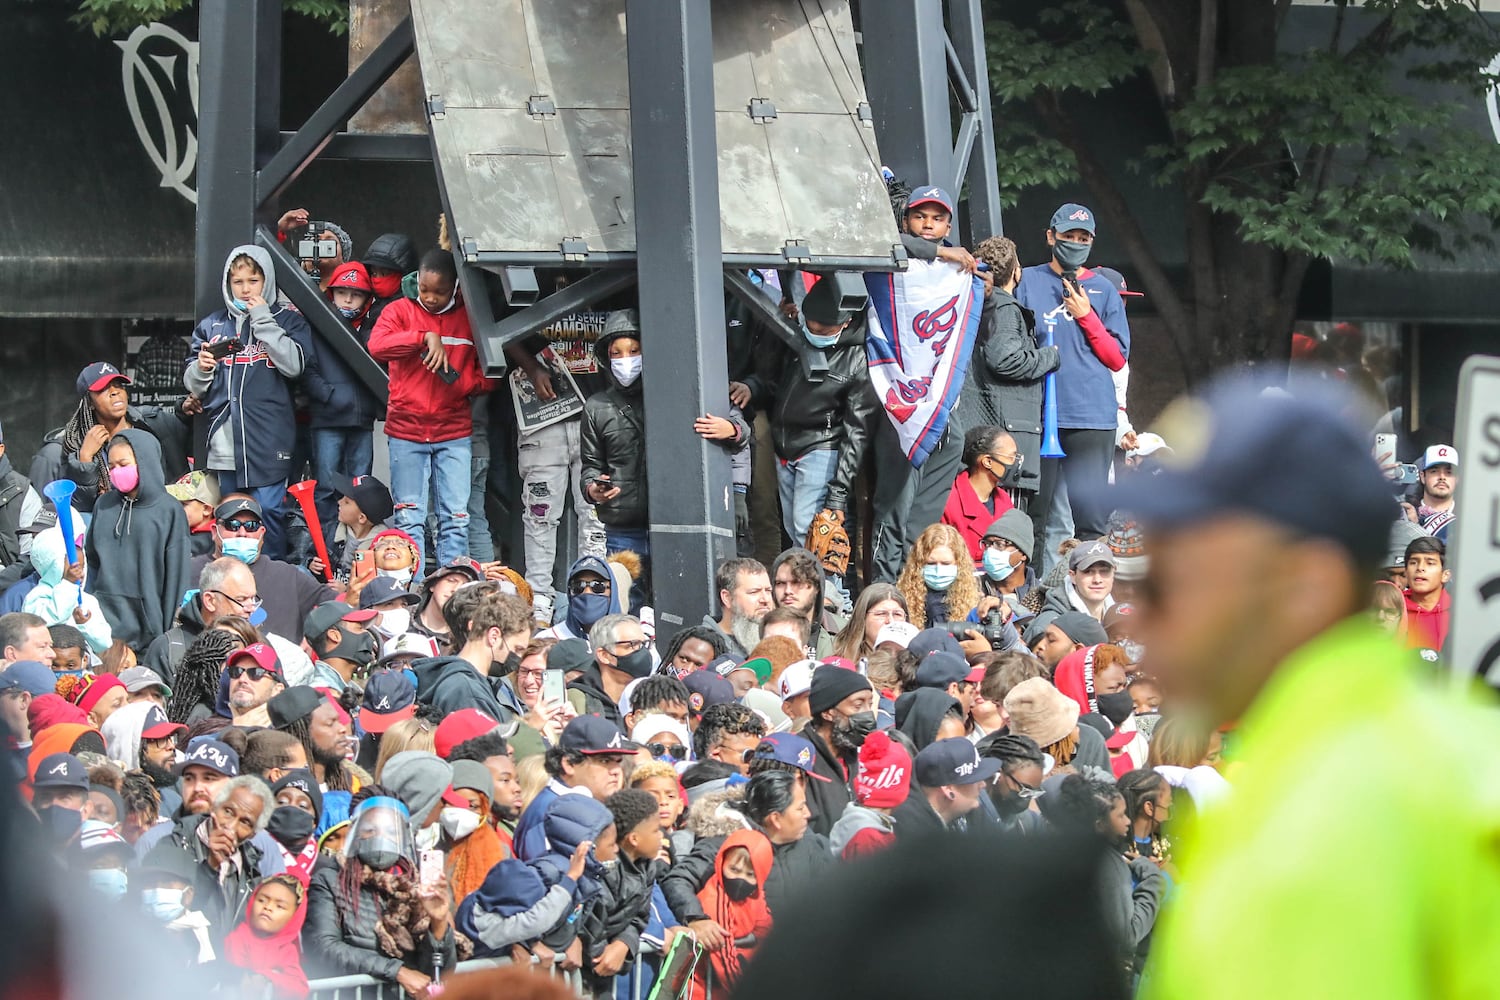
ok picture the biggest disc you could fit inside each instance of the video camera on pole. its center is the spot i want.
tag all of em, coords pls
(311, 246)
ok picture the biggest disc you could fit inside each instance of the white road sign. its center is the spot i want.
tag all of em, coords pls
(1474, 556)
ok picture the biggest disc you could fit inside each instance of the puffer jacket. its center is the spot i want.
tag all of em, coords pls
(340, 936)
(1005, 379)
(833, 414)
(623, 907)
(612, 441)
(569, 821)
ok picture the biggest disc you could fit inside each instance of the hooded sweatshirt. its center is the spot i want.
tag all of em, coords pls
(138, 550)
(247, 398)
(277, 957)
(513, 906)
(845, 839)
(122, 733)
(570, 820)
(585, 609)
(920, 712)
(742, 919)
(824, 626)
(53, 599)
(423, 407)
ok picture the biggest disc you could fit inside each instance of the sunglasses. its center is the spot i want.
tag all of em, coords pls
(254, 673)
(579, 587)
(235, 524)
(674, 751)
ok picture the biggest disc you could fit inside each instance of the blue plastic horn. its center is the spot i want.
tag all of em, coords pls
(60, 492)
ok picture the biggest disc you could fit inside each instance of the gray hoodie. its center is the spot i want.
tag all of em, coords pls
(856, 818)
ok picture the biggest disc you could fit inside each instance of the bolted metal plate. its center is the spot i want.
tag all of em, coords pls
(519, 185)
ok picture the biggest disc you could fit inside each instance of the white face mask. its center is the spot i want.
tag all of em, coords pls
(395, 622)
(626, 370)
(458, 823)
(401, 576)
(428, 837)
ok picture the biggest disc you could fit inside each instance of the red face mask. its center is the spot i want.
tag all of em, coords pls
(386, 285)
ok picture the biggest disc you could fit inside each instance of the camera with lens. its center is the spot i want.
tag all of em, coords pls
(990, 626)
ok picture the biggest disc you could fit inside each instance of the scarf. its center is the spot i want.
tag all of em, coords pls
(474, 856)
(300, 865)
(277, 958)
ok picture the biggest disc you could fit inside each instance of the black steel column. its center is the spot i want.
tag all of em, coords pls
(679, 255)
(239, 129)
(906, 77)
(981, 211)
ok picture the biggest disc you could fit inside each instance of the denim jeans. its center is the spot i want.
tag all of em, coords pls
(481, 544)
(346, 451)
(437, 472)
(804, 486)
(550, 463)
(270, 499)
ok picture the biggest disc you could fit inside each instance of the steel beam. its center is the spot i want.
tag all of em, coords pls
(347, 98)
(239, 44)
(906, 73)
(814, 362)
(326, 324)
(670, 53)
(576, 297)
(981, 202)
(356, 146)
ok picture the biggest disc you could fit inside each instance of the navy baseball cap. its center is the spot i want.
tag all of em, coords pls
(789, 748)
(1117, 279)
(941, 668)
(954, 761)
(1072, 216)
(706, 689)
(156, 725)
(934, 640)
(98, 375)
(61, 770)
(368, 493)
(33, 676)
(1234, 443)
(594, 734)
(216, 755)
(390, 696)
(930, 195)
(383, 589)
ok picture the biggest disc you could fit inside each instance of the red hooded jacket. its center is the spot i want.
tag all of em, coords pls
(423, 408)
(277, 958)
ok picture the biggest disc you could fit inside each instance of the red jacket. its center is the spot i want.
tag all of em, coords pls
(964, 512)
(1427, 629)
(423, 407)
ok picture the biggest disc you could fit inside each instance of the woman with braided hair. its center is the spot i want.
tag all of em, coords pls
(195, 690)
(372, 917)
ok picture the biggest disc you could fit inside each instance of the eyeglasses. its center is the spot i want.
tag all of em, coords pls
(254, 673)
(579, 587)
(235, 524)
(1003, 544)
(632, 645)
(672, 750)
(251, 603)
(1023, 790)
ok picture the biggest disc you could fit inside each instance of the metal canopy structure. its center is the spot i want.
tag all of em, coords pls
(762, 153)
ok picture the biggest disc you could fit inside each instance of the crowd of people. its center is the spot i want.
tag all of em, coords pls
(390, 756)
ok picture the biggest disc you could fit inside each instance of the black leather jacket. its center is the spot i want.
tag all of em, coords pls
(833, 414)
(340, 938)
(612, 441)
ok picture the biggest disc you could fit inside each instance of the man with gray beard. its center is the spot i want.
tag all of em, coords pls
(744, 588)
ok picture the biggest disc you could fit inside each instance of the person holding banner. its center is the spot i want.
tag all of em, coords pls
(1080, 312)
(923, 325)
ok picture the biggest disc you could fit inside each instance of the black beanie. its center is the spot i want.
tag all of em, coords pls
(303, 779)
(831, 685)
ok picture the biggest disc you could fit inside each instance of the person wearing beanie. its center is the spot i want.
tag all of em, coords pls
(1042, 712)
(419, 778)
(1005, 556)
(820, 429)
(842, 703)
(1127, 543)
(883, 784)
(294, 821)
(1067, 633)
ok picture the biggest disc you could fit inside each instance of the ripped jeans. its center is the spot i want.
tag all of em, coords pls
(549, 460)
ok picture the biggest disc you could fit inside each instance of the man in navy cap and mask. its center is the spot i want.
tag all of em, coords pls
(1081, 312)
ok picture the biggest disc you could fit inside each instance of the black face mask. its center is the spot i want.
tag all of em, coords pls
(1115, 707)
(510, 664)
(60, 822)
(739, 889)
(359, 648)
(1008, 805)
(850, 733)
(290, 827)
(637, 664)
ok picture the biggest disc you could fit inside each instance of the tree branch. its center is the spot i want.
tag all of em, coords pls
(1208, 41)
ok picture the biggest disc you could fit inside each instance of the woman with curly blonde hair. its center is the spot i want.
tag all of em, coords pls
(938, 578)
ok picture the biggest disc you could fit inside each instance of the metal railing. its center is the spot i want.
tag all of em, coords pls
(370, 988)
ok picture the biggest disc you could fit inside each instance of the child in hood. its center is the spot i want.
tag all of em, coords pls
(735, 899)
(883, 784)
(514, 906)
(571, 821)
(266, 944)
(137, 543)
(247, 393)
(57, 600)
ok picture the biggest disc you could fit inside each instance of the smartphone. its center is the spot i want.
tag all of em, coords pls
(449, 375)
(1071, 281)
(431, 869)
(1385, 448)
(554, 686)
(224, 348)
(361, 568)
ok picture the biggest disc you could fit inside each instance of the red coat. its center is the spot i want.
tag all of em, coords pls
(423, 407)
(972, 519)
(1427, 629)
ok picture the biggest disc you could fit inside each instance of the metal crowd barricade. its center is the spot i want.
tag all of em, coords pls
(370, 988)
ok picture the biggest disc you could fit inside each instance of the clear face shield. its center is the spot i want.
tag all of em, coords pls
(380, 834)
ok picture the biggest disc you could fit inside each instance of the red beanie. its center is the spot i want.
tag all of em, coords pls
(884, 772)
(88, 696)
